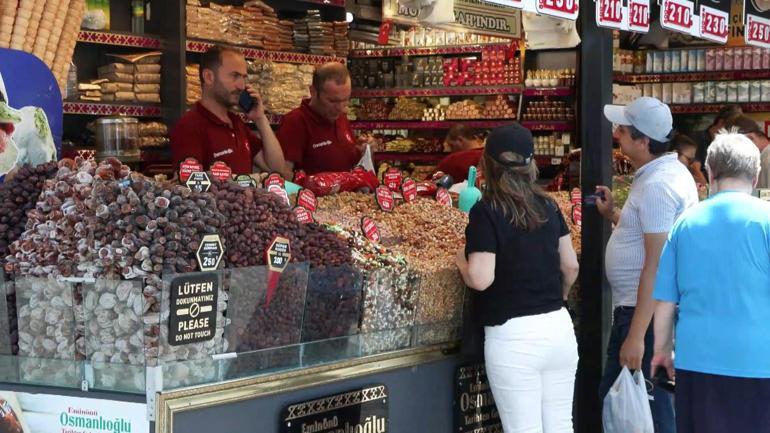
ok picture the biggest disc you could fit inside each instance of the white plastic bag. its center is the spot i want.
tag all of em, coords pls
(366, 160)
(627, 406)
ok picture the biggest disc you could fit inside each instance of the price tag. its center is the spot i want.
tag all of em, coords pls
(245, 181)
(199, 181)
(576, 197)
(639, 16)
(609, 13)
(443, 197)
(577, 215)
(188, 167)
(713, 24)
(221, 171)
(308, 200)
(369, 229)
(757, 31)
(555, 161)
(274, 179)
(677, 15)
(567, 9)
(280, 192)
(409, 190)
(210, 253)
(277, 256)
(393, 179)
(385, 198)
(303, 215)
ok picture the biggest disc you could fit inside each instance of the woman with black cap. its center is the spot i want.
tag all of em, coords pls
(520, 262)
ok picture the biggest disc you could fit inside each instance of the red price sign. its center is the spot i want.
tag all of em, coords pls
(567, 9)
(221, 171)
(757, 31)
(576, 197)
(639, 16)
(303, 215)
(713, 24)
(393, 179)
(277, 256)
(308, 200)
(370, 230)
(409, 190)
(188, 167)
(280, 192)
(677, 15)
(443, 197)
(609, 13)
(274, 179)
(385, 198)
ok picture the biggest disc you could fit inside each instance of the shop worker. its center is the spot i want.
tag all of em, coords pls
(316, 137)
(467, 146)
(751, 129)
(210, 131)
(661, 190)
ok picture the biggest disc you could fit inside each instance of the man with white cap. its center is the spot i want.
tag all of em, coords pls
(662, 189)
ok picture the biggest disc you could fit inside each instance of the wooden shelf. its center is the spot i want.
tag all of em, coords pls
(507, 89)
(410, 156)
(548, 91)
(692, 76)
(416, 124)
(747, 107)
(422, 51)
(119, 39)
(111, 109)
(197, 46)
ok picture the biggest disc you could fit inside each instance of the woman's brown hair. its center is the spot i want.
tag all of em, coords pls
(514, 191)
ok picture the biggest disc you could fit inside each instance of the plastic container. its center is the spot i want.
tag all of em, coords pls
(117, 137)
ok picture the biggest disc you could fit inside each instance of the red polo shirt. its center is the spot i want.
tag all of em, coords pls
(202, 135)
(316, 145)
(457, 163)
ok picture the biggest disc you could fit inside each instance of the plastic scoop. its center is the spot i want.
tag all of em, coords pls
(470, 195)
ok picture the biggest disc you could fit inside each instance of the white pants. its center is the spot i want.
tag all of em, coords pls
(531, 363)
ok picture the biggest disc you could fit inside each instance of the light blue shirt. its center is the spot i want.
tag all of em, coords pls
(716, 266)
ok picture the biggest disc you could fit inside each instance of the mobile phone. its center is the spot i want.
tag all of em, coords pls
(245, 101)
(590, 199)
(662, 381)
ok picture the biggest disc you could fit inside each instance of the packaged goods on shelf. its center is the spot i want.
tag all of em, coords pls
(700, 60)
(623, 95)
(429, 38)
(372, 109)
(320, 34)
(153, 134)
(283, 86)
(193, 84)
(548, 111)
(465, 110)
(436, 114)
(499, 107)
(407, 109)
(341, 39)
(556, 144)
(550, 78)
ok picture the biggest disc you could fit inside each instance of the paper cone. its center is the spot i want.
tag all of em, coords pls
(58, 26)
(63, 58)
(46, 26)
(7, 18)
(34, 24)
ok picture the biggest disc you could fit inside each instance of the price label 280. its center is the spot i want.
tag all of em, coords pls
(639, 16)
(713, 24)
(609, 13)
(757, 31)
(677, 15)
(567, 9)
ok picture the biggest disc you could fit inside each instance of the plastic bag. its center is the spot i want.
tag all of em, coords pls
(626, 406)
(334, 182)
(366, 160)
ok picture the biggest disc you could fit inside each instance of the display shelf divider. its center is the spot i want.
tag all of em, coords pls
(363, 53)
(133, 40)
(507, 89)
(193, 45)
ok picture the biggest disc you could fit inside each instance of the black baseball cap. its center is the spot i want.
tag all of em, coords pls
(511, 138)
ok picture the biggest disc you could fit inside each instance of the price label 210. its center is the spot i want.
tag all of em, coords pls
(713, 24)
(757, 31)
(610, 13)
(639, 15)
(677, 15)
(558, 8)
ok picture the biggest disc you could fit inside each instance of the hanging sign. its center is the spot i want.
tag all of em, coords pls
(677, 15)
(639, 16)
(277, 256)
(567, 9)
(210, 253)
(474, 16)
(193, 311)
(713, 24)
(610, 14)
(757, 22)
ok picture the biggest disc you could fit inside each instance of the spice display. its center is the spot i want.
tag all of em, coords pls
(407, 109)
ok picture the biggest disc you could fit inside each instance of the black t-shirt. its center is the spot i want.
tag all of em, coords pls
(528, 278)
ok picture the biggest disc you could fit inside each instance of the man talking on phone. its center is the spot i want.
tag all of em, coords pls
(210, 132)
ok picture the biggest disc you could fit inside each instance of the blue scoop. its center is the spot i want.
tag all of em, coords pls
(470, 195)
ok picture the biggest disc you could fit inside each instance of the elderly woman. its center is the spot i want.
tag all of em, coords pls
(715, 267)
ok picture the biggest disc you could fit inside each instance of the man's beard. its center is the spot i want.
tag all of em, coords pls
(222, 96)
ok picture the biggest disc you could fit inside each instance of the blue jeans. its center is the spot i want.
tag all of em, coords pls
(662, 405)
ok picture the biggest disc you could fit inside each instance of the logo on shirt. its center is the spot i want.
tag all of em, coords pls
(223, 153)
(322, 144)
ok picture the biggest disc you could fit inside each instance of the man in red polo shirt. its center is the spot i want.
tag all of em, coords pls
(210, 132)
(467, 147)
(316, 137)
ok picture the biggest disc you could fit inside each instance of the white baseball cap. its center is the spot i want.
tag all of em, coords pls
(650, 116)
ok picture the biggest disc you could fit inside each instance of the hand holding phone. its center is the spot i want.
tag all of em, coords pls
(245, 101)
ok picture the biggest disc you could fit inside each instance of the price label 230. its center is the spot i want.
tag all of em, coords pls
(677, 15)
(713, 24)
(757, 31)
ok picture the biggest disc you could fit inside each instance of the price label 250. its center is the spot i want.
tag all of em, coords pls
(757, 31)
(639, 15)
(677, 15)
(713, 24)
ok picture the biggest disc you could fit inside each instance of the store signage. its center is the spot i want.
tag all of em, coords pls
(757, 31)
(221, 171)
(409, 190)
(483, 18)
(209, 253)
(567, 9)
(277, 256)
(385, 198)
(303, 215)
(280, 192)
(713, 24)
(188, 167)
(193, 308)
(393, 179)
(245, 181)
(610, 13)
(639, 16)
(274, 179)
(474, 406)
(199, 181)
(308, 200)
(677, 15)
(370, 230)
(360, 410)
(48, 413)
(443, 197)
